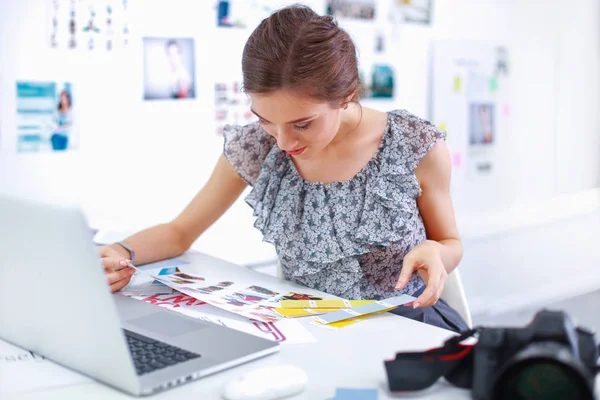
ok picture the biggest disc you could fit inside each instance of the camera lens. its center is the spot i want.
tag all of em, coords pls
(540, 379)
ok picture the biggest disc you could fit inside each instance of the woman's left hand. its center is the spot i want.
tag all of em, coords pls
(426, 259)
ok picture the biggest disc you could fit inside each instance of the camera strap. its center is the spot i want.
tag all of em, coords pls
(411, 371)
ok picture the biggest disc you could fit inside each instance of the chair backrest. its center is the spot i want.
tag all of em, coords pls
(454, 295)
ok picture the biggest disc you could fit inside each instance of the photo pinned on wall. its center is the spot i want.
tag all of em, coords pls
(378, 82)
(481, 124)
(380, 42)
(169, 69)
(45, 121)
(232, 106)
(416, 11)
(88, 24)
(246, 14)
(501, 62)
(352, 9)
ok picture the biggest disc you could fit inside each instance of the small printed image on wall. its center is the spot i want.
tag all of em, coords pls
(355, 9)
(45, 121)
(169, 72)
(377, 82)
(481, 124)
(416, 11)
(247, 14)
(232, 106)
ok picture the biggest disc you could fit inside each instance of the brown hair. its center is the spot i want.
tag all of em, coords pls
(298, 50)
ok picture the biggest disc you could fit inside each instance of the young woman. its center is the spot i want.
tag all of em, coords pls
(63, 120)
(356, 201)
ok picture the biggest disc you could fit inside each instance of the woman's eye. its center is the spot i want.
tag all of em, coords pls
(302, 127)
(262, 121)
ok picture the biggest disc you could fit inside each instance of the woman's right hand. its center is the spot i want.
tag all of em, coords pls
(116, 267)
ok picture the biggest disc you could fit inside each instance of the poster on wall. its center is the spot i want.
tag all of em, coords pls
(471, 102)
(377, 82)
(247, 14)
(415, 11)
(232, 106)
(169, 69)
(88, 24)
(352, 9)
(45, 120)
(481, 124)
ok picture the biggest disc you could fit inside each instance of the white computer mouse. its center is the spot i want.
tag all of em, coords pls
(267, 383)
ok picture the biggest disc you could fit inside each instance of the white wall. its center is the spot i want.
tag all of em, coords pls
(141, 162)
(533, 266)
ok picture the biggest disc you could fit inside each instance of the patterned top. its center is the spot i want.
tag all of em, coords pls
(344, 238)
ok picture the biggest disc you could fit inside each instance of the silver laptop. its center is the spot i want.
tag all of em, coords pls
(55, 301)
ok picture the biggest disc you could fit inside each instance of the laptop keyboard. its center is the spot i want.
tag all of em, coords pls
(150, 355)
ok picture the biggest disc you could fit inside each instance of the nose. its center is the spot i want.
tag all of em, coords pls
(285, 141)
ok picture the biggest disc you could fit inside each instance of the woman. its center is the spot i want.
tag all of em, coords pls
(63, 120)
(179, 76)
(356, 201)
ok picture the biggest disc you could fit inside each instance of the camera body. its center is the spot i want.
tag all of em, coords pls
(549, 352)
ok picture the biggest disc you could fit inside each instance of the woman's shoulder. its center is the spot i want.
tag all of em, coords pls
(248, 132)
(246, 148)
(406, 117)
(412, 136)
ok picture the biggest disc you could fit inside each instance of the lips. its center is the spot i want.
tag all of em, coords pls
(296, 152)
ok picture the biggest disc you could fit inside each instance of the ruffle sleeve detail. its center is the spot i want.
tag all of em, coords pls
(246, 148)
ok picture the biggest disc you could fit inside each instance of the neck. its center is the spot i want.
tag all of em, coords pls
(350, 120)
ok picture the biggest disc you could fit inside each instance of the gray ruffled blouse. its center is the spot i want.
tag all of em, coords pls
(345, 238)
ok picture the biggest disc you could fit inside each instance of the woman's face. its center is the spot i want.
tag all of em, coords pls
(302, 126)
(64, 99)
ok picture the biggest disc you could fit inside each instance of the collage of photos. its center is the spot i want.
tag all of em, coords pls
(169, 69)
(45, 120)
(245, 14)
(250, 301)
(287, 331)
(354, 9)
(415, 11)
(232, 106)
(88, 24)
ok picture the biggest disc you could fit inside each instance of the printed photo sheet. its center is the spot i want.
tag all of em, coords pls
(245, 299)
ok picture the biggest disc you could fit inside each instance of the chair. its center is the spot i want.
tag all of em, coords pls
(453, 294)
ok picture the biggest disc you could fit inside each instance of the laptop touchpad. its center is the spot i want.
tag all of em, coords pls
(166, 324)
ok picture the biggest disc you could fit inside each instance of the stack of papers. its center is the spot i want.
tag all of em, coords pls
(284, 331)
(254, 302)
(339, 313)
(241, 306)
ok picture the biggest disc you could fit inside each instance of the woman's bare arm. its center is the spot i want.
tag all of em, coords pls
(172, 239)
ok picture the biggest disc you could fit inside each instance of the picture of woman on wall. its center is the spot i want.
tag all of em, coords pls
(63, 120)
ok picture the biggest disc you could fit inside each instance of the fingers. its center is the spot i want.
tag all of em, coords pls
(408, 266)
(426, 299)
(114, 264)
(115, 277)
(115, 287)
(432, 293)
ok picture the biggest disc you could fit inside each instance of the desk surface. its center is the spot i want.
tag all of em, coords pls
(351, 357)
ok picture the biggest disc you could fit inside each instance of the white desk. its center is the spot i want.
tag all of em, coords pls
(350, 357)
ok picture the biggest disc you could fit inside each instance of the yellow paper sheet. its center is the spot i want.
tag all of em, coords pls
(323, 303)
(302, 312)
(346, 322)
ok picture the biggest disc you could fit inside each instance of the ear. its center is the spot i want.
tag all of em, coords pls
(348, 100)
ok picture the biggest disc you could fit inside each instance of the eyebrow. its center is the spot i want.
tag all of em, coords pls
(305, 119)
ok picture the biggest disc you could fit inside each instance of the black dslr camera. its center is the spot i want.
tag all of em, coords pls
(548, 359)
